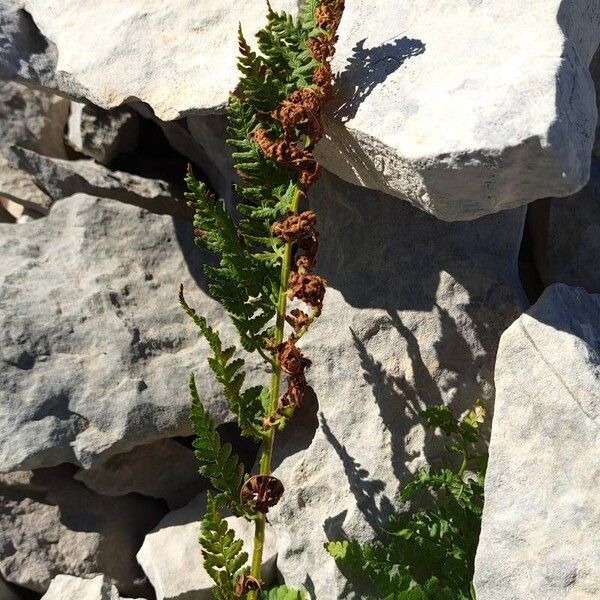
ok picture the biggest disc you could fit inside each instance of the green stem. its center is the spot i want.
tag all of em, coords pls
(267, 449)
(464, 464)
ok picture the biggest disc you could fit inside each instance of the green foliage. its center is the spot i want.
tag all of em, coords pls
(249, 276)
(246, 280)
(282, 592)
(217, 462)
(429, 553)
(224, 559)
(245, 284)
(246, 405)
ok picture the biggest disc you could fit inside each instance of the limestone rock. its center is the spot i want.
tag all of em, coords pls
(459, 125)
(412, 317)
(164, 469)
(20, 187)
(95, 353)
(67, 587)
(176, 57)
(102, 134)
(541, 516)
(470, 124)
(51, 524)
(61, 178)
(201, 139)
(172, 558)
(34, 120)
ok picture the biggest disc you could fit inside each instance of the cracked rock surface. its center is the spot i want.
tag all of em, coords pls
(459, 124)
(541, 515)
(172, 558)
(51, 524)
(95, 351)
(67, 587)
(408, 321)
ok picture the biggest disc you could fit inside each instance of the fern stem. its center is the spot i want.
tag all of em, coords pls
(267, 449)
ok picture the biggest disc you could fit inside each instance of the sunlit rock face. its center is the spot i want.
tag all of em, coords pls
(409, 321)
(463, 108)
(541, 516)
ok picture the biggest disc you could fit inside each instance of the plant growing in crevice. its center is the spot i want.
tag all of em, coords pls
(265, 259)
(429, 553)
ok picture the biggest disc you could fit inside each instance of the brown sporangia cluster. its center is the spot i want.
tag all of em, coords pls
(261, 492)
(245, 584)
(299, 116)
(300, 231)
(300, 113)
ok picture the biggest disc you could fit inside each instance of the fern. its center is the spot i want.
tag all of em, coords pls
(246, 405)
(273, 125)
(224, 559)
(429, 553)
(216, 460)
(243, 284)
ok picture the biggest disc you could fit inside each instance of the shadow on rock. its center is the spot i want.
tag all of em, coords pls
(369, 67)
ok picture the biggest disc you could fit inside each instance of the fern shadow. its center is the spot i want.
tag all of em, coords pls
(367, 68)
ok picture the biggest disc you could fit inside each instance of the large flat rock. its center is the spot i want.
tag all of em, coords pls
(465, 108)
(179, 57)
(95, 352)
(409, 320)
(541, 518)
(461, 107)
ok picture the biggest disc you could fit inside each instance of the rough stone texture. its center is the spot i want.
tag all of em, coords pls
(539, 536)
(67, 587)
(469, 124)
(51, 524)
(566, 231)
(20, 187)
(60, 178)
(171, 556)
(177, 57)
(102, 134)
(460, 125)
(95, 352)
(34, 120)
(201, 139)
(410, 319)
(163, 469)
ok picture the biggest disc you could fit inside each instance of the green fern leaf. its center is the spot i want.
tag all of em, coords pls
(217, 462)
(224, 558)
(245, 405)
(282, 592)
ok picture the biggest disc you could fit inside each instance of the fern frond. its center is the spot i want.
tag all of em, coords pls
(224, 558)
(217, 461)
(241, 283)
(246, 405)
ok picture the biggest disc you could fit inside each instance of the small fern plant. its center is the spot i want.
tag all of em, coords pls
(266, 256)
(429, 554)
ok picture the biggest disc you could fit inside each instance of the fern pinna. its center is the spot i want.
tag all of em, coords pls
(266, 257)
(429, 553)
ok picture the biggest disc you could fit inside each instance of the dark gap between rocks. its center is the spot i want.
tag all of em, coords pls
(532, 251)
(153, 157)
